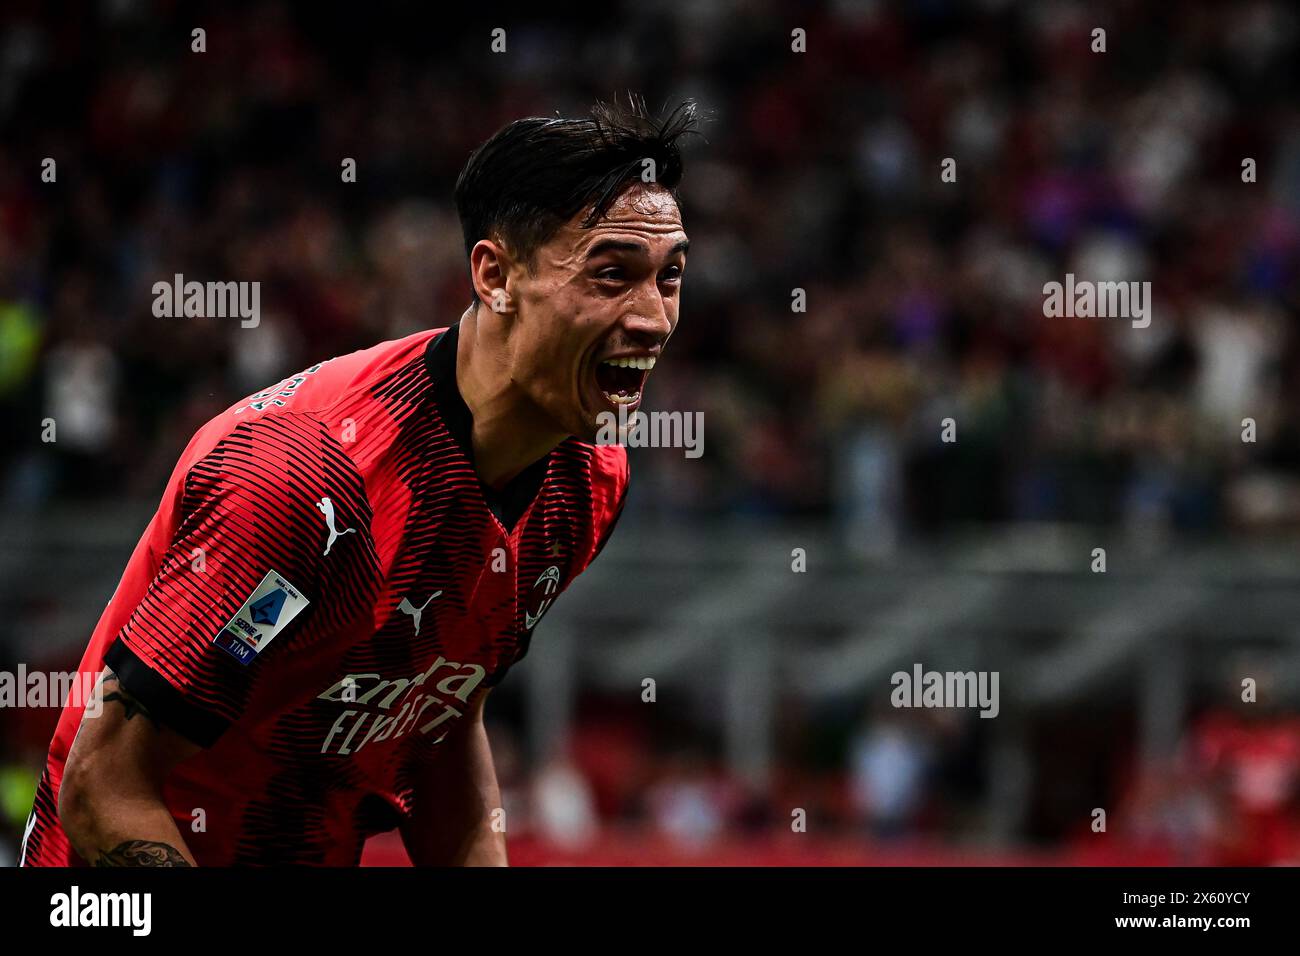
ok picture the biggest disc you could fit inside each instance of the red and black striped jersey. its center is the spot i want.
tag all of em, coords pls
(325, 591)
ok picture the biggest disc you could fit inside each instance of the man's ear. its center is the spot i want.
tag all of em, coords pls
(489, 271)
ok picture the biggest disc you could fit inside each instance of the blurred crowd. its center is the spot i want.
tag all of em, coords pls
(903, 791)
(821, 172)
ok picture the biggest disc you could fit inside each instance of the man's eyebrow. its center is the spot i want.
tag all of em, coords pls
(624, 245)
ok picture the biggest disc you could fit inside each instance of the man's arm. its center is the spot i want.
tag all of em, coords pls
(455, 797)
(111, 796)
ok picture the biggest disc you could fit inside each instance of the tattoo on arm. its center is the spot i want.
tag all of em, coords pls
(122, 695)
(141, 853)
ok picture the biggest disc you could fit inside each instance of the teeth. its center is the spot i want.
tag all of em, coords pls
(623, 399)
(645, 363)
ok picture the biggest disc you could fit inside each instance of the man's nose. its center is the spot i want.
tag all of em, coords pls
(648, 320)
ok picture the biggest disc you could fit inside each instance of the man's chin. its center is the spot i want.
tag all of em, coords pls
(594, 425)
(590, 431)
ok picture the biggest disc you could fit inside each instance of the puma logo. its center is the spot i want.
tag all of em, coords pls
(406, 607)
(327, 509)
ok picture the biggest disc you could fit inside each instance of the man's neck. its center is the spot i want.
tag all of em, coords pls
(509, 432)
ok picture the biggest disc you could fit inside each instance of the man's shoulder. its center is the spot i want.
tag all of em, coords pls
(605, 465)
(608, 483)
(300, 429)
(607, 478)
(609, 463)
(324, 394)
(334, 380)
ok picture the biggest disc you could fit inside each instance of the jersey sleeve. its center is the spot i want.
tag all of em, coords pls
(258, 560)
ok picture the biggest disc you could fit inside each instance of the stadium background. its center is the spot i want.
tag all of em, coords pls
(1119, 690)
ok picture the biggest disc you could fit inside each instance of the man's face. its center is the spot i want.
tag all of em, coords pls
(597, 308)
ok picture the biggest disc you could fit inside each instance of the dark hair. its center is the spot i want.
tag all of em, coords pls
(536, 174)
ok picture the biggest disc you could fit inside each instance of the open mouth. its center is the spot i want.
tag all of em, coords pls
(621, 379)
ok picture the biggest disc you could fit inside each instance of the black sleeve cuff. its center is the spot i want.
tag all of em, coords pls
(163, 701)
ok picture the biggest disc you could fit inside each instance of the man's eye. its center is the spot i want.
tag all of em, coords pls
(671, 274)
(614, 273)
